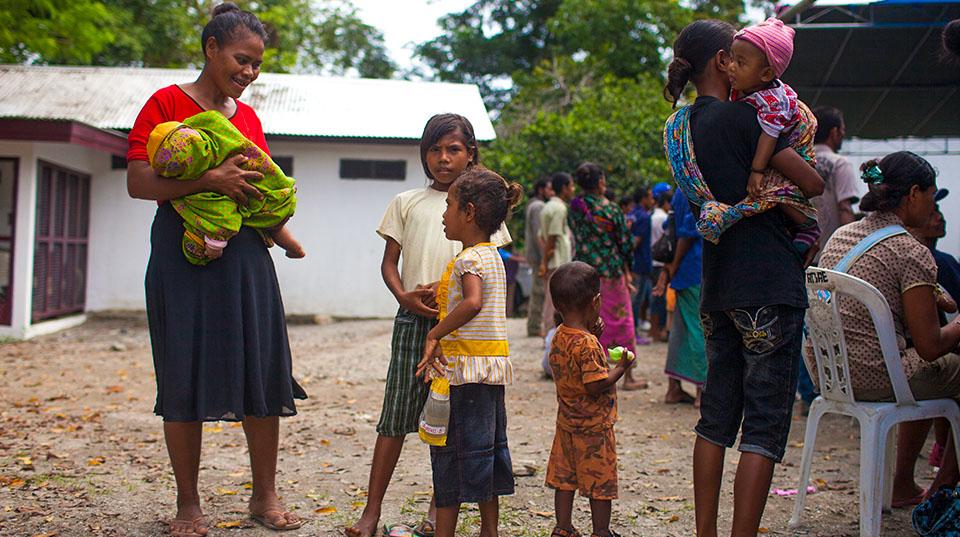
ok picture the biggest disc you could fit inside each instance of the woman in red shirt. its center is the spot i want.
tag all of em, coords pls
(218, 334)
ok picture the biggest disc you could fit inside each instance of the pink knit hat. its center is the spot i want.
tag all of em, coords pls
(775, 39)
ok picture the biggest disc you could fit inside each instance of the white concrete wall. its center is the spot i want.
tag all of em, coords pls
(336, 221)
(943, 154)
(87, 161)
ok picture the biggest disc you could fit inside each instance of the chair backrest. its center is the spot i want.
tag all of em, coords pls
(825, 327)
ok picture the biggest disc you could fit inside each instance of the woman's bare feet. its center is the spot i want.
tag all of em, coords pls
(271, 513)
(189, 523)
(365, 527)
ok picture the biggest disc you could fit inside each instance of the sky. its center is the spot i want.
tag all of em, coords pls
(406, 22)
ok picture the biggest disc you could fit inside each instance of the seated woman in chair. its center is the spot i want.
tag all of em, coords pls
(902, 187)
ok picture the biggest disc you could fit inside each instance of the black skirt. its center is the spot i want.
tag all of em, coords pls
(219, 337)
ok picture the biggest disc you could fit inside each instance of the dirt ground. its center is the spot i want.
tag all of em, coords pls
(82, 454)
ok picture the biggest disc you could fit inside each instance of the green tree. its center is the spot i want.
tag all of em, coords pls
(493, 42)
(305, 36)
(65, 31)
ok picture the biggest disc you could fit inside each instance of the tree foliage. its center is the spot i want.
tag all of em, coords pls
(305, 36)
(571, 80)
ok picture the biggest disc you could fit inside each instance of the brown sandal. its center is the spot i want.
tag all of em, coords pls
(267, 521)
(560, 532)
(179, 527)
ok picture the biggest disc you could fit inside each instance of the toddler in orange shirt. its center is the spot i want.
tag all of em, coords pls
(584, 453)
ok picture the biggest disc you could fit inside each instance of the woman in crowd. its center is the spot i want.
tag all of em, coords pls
(902, 187)
(603, 241)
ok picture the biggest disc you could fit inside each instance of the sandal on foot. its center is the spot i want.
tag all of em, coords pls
(426, 528)
(908, 502)
(560, 532)
(398, 530)
(179, 527)
(267, 521)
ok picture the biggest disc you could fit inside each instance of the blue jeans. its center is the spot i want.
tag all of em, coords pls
(644, 288)
(752, 377)
(475, 465)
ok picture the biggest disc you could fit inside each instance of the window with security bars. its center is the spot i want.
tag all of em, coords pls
(389, 170)
(60, 255)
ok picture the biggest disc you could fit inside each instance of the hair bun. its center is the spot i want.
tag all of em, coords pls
(225, 7)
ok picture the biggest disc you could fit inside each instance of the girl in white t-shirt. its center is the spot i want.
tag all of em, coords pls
(469, 346)
(412, 227)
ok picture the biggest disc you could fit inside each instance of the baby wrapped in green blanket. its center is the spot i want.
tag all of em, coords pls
(185, 150)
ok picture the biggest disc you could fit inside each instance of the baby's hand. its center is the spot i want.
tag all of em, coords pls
(754, 184)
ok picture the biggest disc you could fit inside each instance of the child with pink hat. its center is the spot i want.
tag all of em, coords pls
(759, 56)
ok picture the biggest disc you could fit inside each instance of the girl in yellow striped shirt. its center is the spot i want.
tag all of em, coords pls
(469, 344)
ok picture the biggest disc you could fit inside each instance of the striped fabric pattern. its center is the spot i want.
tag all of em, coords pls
(478, 351)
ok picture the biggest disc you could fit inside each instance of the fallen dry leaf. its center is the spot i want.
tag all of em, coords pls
(96, 461)
(231, 524)
(221, 491)
(328, 510)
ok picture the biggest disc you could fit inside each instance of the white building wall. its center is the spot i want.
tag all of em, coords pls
(336, 221)
(942, 153)
(81, 159)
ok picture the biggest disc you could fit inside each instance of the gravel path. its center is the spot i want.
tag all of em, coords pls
(82, 454)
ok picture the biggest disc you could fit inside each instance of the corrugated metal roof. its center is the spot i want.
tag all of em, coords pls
(296, 105)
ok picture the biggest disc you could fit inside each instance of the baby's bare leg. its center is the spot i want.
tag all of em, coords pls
(285, 239)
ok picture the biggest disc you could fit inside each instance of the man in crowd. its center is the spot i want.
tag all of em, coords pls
(841, 181)
(642, 262)
(662, 194)
(542, 191)
(555, 234)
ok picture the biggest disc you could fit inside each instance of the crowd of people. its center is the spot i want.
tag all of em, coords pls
(713, 265)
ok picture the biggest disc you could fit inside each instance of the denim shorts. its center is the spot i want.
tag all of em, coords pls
(752, 377)
(475, 464)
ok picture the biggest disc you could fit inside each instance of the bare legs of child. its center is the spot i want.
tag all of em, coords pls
(285, 239)
(750, 489)
(386, 453)
(599, 513)
(489, 519)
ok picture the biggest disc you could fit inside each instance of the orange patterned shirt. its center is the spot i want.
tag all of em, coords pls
(576, 359)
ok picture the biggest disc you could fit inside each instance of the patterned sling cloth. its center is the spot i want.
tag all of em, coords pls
(716, 217)
(202, 142)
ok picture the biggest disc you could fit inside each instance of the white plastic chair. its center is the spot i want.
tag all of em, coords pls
(877, 420)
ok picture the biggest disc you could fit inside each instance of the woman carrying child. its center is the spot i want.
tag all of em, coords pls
(218, 333)
(412, 228)
(469, 346)
(752, 291)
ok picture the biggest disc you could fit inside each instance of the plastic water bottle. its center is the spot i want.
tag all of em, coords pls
(618, 353)
(436, 413)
